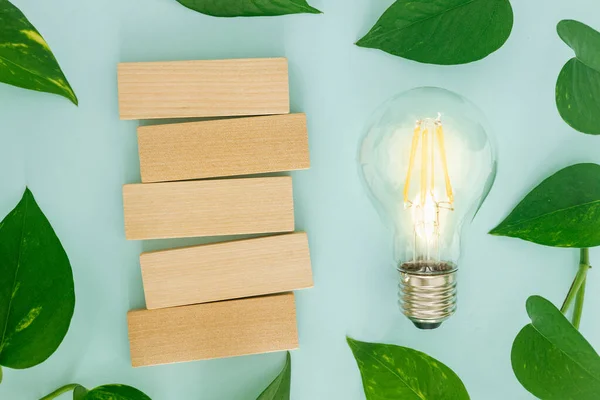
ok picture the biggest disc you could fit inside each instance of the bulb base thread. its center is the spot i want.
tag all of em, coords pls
(427, 299)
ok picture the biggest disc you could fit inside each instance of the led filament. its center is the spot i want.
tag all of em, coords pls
(428, 145)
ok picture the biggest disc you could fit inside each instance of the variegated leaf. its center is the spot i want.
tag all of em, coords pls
(114, 392)
(395, 372)
(26, 60)
(37, 295)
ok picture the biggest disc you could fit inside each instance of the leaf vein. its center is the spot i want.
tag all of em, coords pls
(522, 221)
(23, 68)
(566, 354)
(16, 274)
(392, 371)
(385, 33)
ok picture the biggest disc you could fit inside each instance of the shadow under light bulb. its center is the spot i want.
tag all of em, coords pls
(428, 164)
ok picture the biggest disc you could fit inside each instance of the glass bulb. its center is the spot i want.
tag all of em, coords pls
(428, 164)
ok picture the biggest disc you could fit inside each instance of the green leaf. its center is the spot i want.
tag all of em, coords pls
(115, 392)
(37, 295)
(562, 211)
(578, 84)
(392, 372)
(249, 8)
(551, 359)
(26, 60)
(444, 32)
(279, 389)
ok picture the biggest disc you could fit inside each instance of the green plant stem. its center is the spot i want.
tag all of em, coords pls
(584, 257)
(59, 391)
(579, 305)
(584, 266)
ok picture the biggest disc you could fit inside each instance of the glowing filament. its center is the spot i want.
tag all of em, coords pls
(424, 172)
(426, 205)
(411, 162)
(425, 216)
(440, 139)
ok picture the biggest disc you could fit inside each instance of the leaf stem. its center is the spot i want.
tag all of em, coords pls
(579, 305)
(584, 257)
(584, 266)
(59, 391)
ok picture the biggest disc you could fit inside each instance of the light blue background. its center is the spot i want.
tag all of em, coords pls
(76, 159)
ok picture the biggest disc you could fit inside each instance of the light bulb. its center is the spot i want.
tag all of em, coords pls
(428, 164)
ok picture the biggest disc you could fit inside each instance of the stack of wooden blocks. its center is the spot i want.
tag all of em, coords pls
(230, 298)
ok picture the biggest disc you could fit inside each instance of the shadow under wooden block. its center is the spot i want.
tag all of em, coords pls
(208, 208)
(227, 270)
(213, 330)
(210, 88)
(208, 149)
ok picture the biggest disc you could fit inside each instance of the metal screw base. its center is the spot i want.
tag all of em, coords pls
(427, 298)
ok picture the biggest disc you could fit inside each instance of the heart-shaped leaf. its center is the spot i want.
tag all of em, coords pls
(394, 372)
(578, 85)
(445, 32)
(25, 58)
(114, 392)
(562, 211)
(37, 295)
(551, 359)
(280, 388)
(249, 8)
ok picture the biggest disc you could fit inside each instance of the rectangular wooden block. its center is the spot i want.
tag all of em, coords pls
(227, 270)
(210, 88)
(213, 330)
(208, 208)
(239, 146)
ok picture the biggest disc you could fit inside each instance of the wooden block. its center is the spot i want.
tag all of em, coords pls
(211, 88)
(213, 330)
(208, 208)
(226, 270)
(208, 149)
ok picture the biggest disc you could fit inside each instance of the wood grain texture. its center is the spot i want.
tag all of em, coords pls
(208, 208)
(213, 330)
(239, 146)
(210, 88)
(227, 270)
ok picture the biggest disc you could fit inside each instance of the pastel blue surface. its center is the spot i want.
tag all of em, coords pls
(76, 159)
